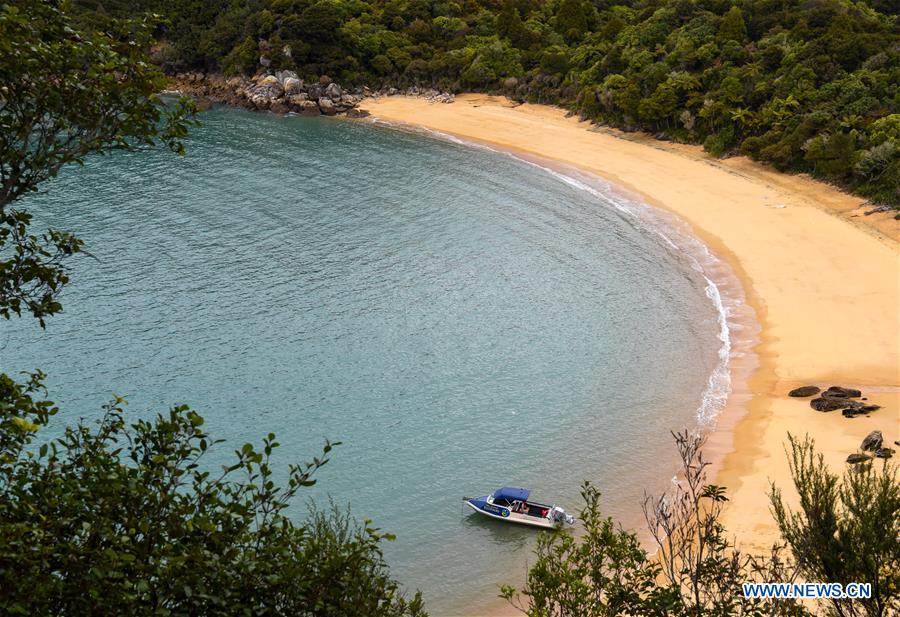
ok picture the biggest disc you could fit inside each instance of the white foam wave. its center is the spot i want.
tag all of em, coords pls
(700, 258)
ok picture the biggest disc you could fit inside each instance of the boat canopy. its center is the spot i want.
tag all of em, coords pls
(512, 494)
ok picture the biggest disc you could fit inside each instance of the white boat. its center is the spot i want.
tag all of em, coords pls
(511, 504)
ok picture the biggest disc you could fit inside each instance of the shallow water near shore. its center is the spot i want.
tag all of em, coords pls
(458, 318)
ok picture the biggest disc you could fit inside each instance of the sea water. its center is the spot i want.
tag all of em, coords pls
(458, 318)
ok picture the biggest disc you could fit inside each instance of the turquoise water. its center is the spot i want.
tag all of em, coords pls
(458, 318)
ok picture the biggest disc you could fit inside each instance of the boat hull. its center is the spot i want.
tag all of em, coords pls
(504, 514)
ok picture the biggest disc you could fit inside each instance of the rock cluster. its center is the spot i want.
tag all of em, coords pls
(838, 397)
(874, 443)
(835, 397)
(280, 92)
(429, 94)
(284, 92)
(804, 391)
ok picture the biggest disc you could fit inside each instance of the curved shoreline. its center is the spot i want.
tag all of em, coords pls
(738, 328)
(823, 280)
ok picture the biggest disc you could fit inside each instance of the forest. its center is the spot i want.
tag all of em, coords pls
(804, 85)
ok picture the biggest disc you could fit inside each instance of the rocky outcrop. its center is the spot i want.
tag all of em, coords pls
(834, 398)
(429, 94)
(284, 92)
(280, 92)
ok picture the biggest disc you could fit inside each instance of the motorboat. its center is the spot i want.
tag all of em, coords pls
(511, 504)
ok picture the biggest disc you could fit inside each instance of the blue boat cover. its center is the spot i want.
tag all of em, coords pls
(512, 494)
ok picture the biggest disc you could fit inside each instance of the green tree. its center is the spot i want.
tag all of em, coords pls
(831, 154)
(696, 570)
(602, 573)
(733, 27)
(128, 519)
(63, 96)
(847, 528)
(572, 19)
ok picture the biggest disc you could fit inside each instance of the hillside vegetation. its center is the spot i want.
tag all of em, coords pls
(805, 85)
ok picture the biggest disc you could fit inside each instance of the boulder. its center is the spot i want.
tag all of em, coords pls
(283, 76)
(858, 458)
(511, 83)
(315, 91)
(265, 61)
(278, 107)
(309, 108)
(357, 113)
(853, 409)
(884, 452)
(839, 392)
(326, 106)
(333, 91)
(827, 404)
(292, 86)
(872, 442)
(324, 80)
(804, 391)
(298, 99)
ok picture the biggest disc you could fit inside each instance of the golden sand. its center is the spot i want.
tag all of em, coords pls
(823, 278)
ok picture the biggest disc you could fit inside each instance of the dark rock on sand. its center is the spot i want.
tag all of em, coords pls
(884, 452)
(827, 404)
(852, 411)
(872, 442)
(839, 392)
(858, 458)
(804, 391)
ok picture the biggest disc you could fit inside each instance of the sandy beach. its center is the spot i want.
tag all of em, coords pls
(822, 278)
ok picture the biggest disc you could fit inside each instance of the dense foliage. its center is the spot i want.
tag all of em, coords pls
(806, 85)
(846, 530)
(129, 520)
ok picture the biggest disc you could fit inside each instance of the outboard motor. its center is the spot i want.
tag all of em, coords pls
(559, 516)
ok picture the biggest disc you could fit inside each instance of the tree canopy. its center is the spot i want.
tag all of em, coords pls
(127, 518)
